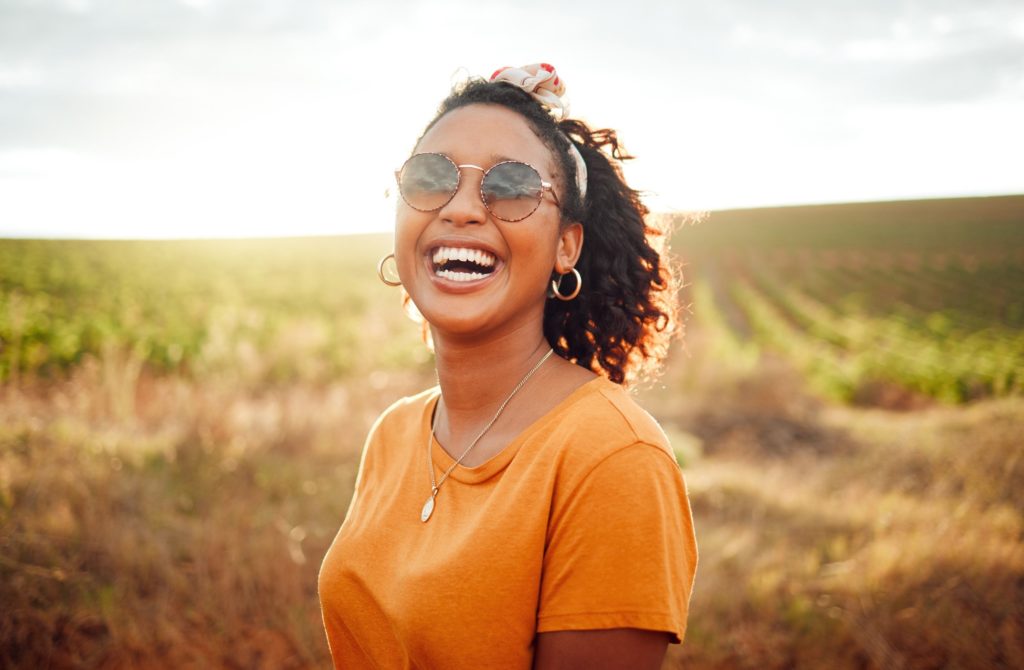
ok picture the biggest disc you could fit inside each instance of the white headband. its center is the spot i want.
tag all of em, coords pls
(542, 82)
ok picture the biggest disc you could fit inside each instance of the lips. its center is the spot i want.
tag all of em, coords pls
(462, 264)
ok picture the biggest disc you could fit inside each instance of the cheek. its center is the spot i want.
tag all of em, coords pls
(407, 232)
(537, 254)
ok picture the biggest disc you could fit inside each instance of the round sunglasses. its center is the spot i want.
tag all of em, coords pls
(510, 190)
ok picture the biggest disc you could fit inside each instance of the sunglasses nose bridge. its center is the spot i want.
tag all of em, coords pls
(483, 173)
(472, 210)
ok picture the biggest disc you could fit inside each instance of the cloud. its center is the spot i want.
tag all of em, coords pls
(139, 82)
(933, 52)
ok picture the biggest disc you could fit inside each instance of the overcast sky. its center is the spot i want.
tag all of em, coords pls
(182, 118)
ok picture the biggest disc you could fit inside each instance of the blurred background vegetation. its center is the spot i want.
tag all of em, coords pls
(181, 421)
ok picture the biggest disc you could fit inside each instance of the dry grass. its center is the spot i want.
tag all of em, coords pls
(188, 534)
(849, 538)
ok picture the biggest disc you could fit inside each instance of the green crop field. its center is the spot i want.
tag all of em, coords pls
(181, 424)
(266, 310)
(925, 297)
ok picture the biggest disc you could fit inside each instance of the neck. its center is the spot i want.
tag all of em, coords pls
(476, 377)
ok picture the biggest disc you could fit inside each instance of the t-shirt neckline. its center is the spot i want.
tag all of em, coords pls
(495, 464)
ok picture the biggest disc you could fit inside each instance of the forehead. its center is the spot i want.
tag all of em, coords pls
(482, 134)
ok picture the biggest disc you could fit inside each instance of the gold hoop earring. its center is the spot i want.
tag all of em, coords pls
(556, 285)
(380, 271)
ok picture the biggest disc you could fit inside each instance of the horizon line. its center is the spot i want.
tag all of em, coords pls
(700, 212)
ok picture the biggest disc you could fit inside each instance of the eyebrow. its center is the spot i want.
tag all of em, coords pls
(493, 158)
(498, 158)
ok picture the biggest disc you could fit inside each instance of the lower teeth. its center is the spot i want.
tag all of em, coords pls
(460, 276)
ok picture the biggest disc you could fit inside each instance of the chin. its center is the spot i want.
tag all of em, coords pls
(446, 322)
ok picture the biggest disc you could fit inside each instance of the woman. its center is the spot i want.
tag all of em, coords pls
(525, 512)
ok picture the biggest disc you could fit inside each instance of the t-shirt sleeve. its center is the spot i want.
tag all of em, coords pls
(621, 551)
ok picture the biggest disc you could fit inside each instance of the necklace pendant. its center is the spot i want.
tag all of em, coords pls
(428, 509)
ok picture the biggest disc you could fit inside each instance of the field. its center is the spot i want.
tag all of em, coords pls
(180, 424)
(921, 298)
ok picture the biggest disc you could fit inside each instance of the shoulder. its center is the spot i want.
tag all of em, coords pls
(602, 422)
(399, 424)
(608, 418)
(404, 410)
(620, 406)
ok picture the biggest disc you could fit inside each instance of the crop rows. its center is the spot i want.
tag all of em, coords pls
(255, 310)
(924, 295)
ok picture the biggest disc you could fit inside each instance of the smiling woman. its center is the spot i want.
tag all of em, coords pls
(526, 512)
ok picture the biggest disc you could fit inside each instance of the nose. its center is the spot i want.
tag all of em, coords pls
(466, 207)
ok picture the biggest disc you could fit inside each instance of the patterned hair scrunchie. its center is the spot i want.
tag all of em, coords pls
(539, 80)
(542, 82)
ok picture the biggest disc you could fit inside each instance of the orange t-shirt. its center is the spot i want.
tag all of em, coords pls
(582, 522)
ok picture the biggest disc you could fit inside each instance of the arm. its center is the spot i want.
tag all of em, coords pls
(611, 649)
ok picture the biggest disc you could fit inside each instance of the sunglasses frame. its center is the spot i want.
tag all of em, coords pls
(545, 186)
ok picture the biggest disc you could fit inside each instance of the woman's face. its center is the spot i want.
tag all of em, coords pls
(516, 258)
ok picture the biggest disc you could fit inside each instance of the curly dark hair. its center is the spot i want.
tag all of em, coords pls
(621, 322)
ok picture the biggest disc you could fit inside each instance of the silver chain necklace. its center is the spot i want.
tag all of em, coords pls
(428, 507)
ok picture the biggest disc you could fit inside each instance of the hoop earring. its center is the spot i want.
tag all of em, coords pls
(555, 285)
(380, 271)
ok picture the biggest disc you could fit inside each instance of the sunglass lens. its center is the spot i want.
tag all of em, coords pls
(428, 181)
(512, 190)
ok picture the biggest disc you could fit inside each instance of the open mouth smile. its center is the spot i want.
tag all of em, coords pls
(462, 264)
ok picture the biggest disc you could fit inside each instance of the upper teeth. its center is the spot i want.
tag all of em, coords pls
(478, 256)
